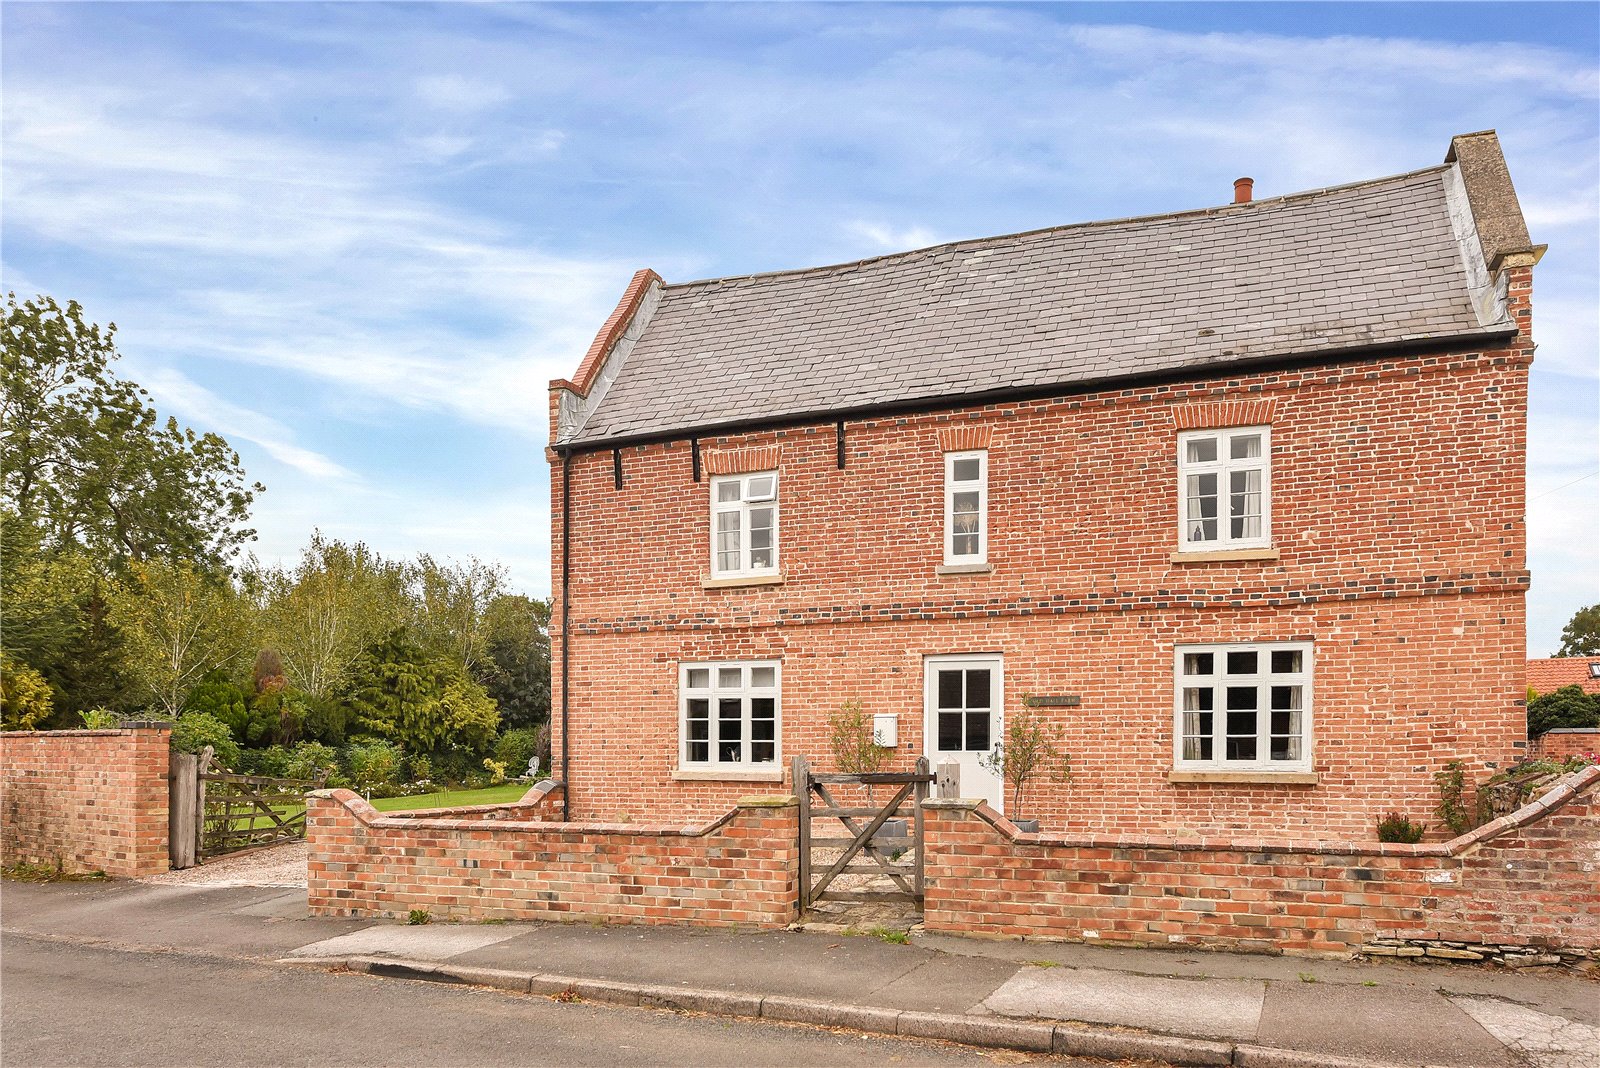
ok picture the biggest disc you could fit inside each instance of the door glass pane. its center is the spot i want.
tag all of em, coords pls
(949, 732)
(949, 688)
(978, 690)
(967, 470)
(978, 732)
(1242, 663)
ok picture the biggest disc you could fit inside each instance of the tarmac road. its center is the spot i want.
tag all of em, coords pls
(66, 1004)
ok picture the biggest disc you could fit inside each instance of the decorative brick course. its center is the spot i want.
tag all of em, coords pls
(738, 870)
(88, 800)
(1226, 413)
(1524, 882)
(738, 461)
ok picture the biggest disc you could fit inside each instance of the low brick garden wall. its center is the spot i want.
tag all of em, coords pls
(1563, 743)
(1519, 888)
(86, 800)
(738, 870)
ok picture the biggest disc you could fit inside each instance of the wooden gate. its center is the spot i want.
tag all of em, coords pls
(214, 811)
(823, 858)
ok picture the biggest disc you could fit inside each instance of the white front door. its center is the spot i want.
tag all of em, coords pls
(964, 702)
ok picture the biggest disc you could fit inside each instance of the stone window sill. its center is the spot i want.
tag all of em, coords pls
(1225, 556)
(728, 775)
(1262, 778)
(709, 583)
(963, 569)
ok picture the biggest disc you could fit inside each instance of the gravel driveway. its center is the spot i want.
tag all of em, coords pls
(283, 865)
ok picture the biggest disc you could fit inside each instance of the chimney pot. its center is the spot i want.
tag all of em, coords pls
(1242, 188)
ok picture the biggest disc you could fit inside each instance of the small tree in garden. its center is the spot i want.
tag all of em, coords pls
(850, 738)
(1030, 746)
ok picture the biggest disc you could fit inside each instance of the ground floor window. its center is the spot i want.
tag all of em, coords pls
(1244, 706)
(729, 714)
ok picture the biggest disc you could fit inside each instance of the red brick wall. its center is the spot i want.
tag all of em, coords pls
(1564, 742)
(1397, 513)
(738, 870)
(1524, 880)
(90, 800)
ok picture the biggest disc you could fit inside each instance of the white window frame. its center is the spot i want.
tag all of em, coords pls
(951, 488)
(742, 508)
(744, 692)
(1263, 678)
(1223, 467)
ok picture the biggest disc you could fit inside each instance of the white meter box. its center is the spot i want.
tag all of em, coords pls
(886, 730)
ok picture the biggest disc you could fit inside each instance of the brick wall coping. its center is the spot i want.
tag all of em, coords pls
(1565, 790)
(363, 811)
(141, 725)
(1572, 730)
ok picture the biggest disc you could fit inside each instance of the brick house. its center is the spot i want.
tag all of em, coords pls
(1234, 496)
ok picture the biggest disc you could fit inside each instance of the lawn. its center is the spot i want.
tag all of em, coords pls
(492, 795)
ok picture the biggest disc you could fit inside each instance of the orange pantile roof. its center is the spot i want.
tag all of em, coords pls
(1549, 675)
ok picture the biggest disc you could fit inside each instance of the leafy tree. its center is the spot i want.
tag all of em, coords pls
(323, 614)
(401, 694)
(516, 671)
(179, 624)
(90, 464)
(219, 696)
(195, 731)
(1581, 635)
(25, 701)
(450, 606)
(1567, 707)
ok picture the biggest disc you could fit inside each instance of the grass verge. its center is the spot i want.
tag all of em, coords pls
(491, 795)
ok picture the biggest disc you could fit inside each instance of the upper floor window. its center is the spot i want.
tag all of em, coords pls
(1224, 489)
(744, 525)
(1243, 707)
(966, 507)
(730, 713)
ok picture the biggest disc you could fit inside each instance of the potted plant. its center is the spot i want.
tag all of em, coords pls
(1030, 746)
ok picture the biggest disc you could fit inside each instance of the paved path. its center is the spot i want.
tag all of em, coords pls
(1384, 1013)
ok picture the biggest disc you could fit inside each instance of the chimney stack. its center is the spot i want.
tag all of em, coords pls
(1242, 188)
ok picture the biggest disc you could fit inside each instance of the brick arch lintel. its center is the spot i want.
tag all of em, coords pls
(1224, 413)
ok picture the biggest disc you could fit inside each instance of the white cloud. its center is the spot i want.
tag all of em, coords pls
(454, 92)
(881, 237)
(174, 392)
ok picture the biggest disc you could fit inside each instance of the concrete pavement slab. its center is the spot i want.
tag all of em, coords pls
(1546, 1041)
(1210, 1008)
(412, 942)
(934, 986)
(1400, 1026)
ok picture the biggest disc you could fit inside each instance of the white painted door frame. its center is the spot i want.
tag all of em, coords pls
(962, 718)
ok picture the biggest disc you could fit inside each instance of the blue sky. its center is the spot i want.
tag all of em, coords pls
(358, 239)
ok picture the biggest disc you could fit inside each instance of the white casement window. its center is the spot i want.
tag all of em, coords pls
(1225, 489)
(744, 525)
(1244, 707)
(966, 507)
(729, 714)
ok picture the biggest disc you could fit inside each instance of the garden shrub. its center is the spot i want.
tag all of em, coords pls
(515, 748)
(100, 719)
(25, 696)
(193, 731)
(272, 761)
(1567, 707)
(218, 696)
(373, 764)
(309, 760)
(1393, 827)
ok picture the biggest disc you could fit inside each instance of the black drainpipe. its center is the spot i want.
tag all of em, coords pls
(566, 630)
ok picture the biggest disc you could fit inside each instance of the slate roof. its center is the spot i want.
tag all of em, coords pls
(1377, 263)
(1549, 675)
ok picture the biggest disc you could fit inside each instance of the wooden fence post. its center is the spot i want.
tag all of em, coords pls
(183, 784)
(949, 780)
(202, 765)
(800, 775)
(920, 796)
